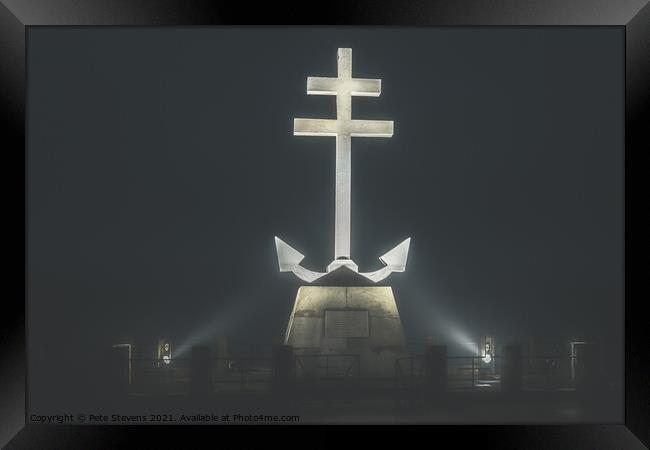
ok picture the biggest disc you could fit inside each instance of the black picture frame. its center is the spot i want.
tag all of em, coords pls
(16, 16)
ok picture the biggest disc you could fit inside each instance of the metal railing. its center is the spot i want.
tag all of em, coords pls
(474, 373)
(152, 376)
(463, 373)
(225, 374)
(327, 366)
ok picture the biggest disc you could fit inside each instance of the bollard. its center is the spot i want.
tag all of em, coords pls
(120, 370)
(200, 371)
(435, 369)
(283, 367)
(222, 354)
(588, 373)
(512, 374)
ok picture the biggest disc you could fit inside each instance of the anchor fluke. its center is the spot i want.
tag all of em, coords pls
(289, 261)
(288, 257)
(396, 258)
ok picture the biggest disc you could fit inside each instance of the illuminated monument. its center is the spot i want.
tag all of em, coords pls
(341, 312)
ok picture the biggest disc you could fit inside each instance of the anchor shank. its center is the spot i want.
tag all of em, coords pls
(343, 197)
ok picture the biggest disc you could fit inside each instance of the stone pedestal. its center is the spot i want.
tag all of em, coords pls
(588, 374)
(512, 373)
(338, 320)
(283, 368)
(200, 381)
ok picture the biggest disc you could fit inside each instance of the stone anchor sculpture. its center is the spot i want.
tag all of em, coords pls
(343, 128)
(353, 319)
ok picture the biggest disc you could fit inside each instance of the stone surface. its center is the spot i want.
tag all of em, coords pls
(385, 342)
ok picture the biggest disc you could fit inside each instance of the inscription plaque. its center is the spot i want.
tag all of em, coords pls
(346, 323)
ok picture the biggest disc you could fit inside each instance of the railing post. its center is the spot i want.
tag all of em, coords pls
(222, 353)
(473, 372)
(397, 373)
(283, 368)
(241, 374)
(435, 369)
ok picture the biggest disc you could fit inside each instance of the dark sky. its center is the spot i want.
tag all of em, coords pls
(161, 164)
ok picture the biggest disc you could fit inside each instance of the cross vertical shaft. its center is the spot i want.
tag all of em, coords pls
(343, 197)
